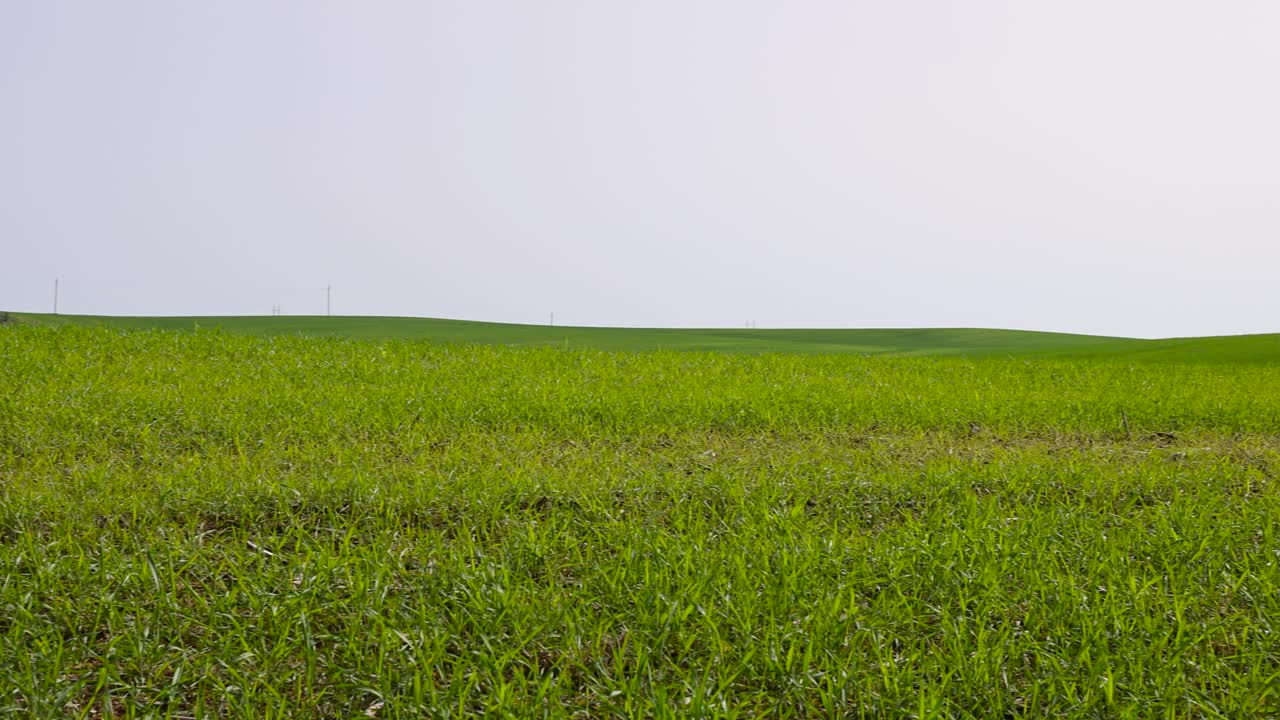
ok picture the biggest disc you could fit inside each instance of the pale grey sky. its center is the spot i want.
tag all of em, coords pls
(1103, 166)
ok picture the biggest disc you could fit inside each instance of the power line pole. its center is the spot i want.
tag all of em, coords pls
(328, 300)
(553, 318)
(55, 296)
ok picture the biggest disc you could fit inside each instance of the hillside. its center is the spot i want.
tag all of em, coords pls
(926, 341)
(235, 526)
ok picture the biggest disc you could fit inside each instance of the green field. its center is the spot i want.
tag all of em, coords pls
(259, 521)
(969, 342)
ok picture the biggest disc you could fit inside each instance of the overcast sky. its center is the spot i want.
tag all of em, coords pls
(1100, 166)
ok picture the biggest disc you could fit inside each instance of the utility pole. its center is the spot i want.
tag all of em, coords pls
(55, 296)
(328, 300)
(553, 318)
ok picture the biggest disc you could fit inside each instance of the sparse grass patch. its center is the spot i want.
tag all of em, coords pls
(214, 525)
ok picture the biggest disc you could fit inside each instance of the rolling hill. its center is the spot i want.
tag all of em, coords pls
(925, 341)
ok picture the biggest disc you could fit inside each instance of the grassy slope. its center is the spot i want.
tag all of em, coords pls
(929, 341)
(221, 525)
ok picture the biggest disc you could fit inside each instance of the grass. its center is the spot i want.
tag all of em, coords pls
(222, 524)
(969, 342)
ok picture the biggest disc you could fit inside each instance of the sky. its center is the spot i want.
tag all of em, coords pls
(1097, 166)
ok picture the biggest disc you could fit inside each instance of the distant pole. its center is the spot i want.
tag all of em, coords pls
(328, 300)
(55, 296)
(553, 318)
